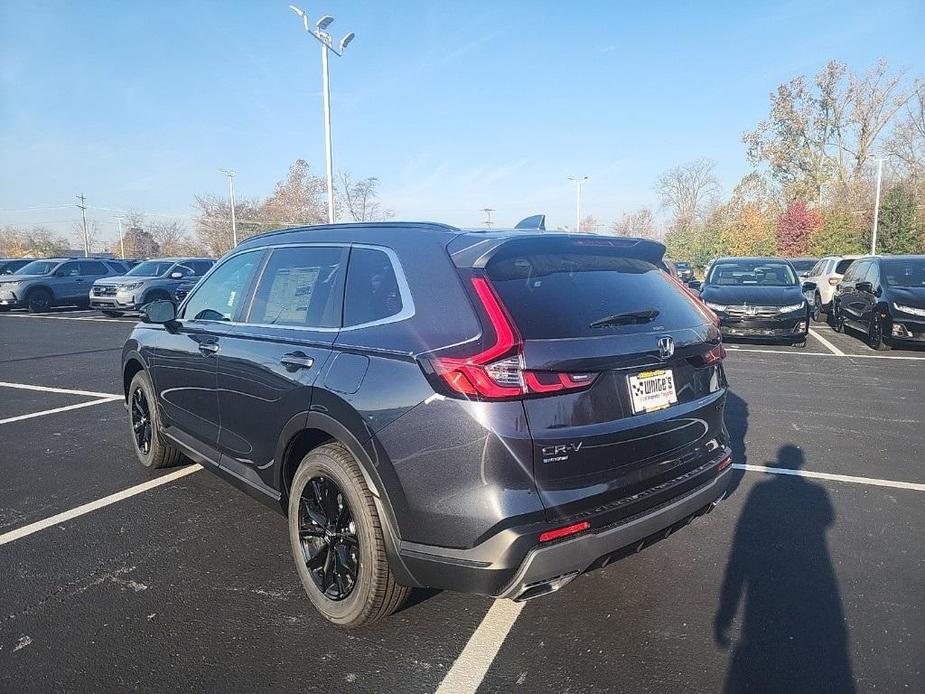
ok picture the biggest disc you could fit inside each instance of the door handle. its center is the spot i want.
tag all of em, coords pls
(208, 348)
(296, 360)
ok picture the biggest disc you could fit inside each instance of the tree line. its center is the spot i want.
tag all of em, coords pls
(300, 198)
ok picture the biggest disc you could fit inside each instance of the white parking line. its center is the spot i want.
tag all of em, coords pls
(66, 408)
(82, 318)
(825, 343)
(49, 389)
(801, 353)
(470, 667)
(26, 530)
(872, 481)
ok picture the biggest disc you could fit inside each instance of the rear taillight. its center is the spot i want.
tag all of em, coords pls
(715, 355)
(559, 533)
(497, 373)
(833, 281)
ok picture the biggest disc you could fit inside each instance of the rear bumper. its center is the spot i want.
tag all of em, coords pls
(512, 564)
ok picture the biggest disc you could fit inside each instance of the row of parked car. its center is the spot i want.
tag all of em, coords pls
(110, 285)
(882, 297)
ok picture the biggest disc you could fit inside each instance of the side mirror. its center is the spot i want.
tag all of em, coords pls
(809, 286)
(158, 312)
(176, 275)
(695, 285)
(864, 287)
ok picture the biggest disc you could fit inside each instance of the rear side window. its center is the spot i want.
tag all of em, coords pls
(114, 266)
(301, 287)
(199, 267)
(562, 295)
(372, 288)
(71, 269)
(92, 267)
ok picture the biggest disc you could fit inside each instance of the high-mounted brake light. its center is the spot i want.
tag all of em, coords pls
(497, 372)
(564, 532)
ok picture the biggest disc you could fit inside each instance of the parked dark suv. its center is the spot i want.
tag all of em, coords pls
(884, 298)
(484, 412)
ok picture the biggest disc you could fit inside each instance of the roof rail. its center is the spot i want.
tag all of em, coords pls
(537, 221)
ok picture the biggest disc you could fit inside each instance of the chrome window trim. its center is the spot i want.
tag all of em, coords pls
(404, 291)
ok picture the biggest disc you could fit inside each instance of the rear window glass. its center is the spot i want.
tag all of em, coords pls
(843, 266)
(372, 289)
(561, 295)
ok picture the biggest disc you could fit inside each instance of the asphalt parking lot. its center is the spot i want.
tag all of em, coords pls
(810, 577)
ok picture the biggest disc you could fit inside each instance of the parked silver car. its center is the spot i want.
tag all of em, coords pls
(151, 280)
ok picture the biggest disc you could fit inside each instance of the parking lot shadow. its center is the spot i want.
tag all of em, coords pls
(737, 424)
(793, 636)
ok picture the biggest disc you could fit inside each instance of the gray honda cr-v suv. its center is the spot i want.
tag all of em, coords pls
(150, 280)
(484, 412)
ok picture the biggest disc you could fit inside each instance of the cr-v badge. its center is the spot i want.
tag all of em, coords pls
(560, 452)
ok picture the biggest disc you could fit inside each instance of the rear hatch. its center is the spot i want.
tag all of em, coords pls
(622, 380)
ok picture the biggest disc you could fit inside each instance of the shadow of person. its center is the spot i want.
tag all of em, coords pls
(793, 637)
(737, 425)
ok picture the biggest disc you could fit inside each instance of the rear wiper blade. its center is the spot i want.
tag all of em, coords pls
(629, 318)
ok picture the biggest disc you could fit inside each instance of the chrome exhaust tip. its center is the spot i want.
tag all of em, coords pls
(532, 591)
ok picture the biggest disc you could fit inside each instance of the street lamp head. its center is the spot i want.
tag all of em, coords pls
(302, 14)
(227, 172)
(324, 22)
(346, 40)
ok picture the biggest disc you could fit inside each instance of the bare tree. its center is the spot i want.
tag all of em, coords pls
(213, 223)
(589, 223)
(687, 191)
(298, 199)
(826, 133)
(361, 198)
(906, 144)
(170, 236)
(638, 223)
(91, 237)
(36, 242)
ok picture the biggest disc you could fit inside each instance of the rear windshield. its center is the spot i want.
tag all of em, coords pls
(560, 295)
(843, 265)
(906, 272)
(751, 272)
(803, 265)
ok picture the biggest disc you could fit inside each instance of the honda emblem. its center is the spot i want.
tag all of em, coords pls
(665, 347)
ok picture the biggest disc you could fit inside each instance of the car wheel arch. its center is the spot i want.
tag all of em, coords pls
(131, 366)
(37, 287)
(319, 429)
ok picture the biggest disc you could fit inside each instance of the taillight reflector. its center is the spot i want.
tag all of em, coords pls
(564, 532)
(833, 281)
(724, 463)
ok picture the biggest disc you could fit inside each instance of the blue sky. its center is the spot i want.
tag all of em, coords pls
(455, 106)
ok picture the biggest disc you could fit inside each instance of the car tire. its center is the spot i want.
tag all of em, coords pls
(38, 300)
(835, 319)
(111, 314)
(360, 589)
(875, 337)
(144, 423)
(818, 308)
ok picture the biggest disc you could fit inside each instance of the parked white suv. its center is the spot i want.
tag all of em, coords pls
(826, 275)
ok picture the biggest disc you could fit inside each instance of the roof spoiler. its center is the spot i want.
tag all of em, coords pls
(537, 221)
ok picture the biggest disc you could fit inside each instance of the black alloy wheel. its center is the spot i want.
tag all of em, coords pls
(328, 535)
(875, 335)
(141, 421)
(38, 301)
(838, 322)
(817, 308)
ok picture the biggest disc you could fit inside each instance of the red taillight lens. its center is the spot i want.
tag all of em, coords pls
(564, 532)
(497, 372)
(724, 463)
(833, 281)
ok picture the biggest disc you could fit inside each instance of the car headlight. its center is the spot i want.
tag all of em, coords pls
(792, 308)
(911, 310)
(716, 307)
(130, 287)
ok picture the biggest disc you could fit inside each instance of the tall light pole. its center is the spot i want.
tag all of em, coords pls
(234, 225)
(873, 233)
(578, 180)
(327, 44)
(121, 239)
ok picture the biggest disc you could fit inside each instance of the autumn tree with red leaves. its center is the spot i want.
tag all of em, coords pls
(795, 226)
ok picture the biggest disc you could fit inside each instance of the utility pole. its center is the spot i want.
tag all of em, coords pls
(121, 238)
(578, 180)
(83, 214)
(873, 233)
(488, 211)
(327, 44)
(234, 225)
